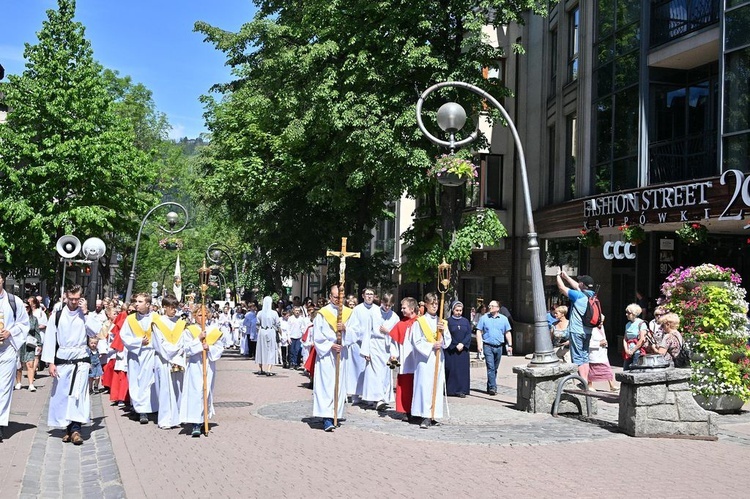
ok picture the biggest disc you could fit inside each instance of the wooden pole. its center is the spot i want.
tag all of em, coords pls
(438, 340)
(205, 367)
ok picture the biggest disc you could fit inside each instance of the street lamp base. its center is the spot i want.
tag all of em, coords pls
(544, 359)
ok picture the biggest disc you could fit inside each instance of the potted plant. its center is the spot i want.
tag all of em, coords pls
(453, 170)
(633, 234)
(693, 233)
(712, 309)
(590, 238)
(171, 243)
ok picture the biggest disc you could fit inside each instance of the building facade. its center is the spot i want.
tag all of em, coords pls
(632, 112)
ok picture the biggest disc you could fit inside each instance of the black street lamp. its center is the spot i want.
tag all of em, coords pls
(451, 118)
(172, 219)
(214, 253)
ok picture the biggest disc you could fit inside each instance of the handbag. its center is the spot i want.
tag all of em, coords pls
(31, 341)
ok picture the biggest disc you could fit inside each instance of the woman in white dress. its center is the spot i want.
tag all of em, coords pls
(268, 323)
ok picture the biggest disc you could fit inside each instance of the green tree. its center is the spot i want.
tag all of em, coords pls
(317, 131)
(68, 161)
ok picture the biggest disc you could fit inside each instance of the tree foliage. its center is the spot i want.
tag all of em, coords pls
(318, 130)
(69, 162)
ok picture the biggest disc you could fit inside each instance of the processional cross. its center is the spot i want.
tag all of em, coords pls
(343, 254)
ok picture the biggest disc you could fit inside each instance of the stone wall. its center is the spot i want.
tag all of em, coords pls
(659, 402)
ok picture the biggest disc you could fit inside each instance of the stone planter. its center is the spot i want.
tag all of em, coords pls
(721, 404)
(451, 180)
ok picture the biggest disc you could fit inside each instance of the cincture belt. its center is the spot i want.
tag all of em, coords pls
(77, 362)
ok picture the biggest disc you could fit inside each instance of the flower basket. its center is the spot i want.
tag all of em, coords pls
(171, 244)
(693, 233)
(452, 170)
(633, 234)
(590, 238)
(711, 305)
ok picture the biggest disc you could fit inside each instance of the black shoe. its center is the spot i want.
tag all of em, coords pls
(462, 395)
(426, 423)
(196, 431)
(143, 419)
(1, 434)
(492, 393)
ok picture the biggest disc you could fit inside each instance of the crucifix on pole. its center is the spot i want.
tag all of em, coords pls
(343, 254)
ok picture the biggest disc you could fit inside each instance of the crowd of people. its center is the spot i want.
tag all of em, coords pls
(149, 358)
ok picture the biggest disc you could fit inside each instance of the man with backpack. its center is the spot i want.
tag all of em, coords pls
(584, 312)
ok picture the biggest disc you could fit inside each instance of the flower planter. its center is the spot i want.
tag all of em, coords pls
(721, 404)
(170, 246)
(450, 179)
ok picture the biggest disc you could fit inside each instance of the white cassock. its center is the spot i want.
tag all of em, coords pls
(324, 336)
(167, 342)
(359, 324)
(376, 344)
(424, 374)
(19, 330)
(141, 375)
(67, 341)
(191, 400)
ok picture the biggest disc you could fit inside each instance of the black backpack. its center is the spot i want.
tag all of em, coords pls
(682, 359)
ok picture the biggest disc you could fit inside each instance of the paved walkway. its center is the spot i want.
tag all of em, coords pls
(263, 443)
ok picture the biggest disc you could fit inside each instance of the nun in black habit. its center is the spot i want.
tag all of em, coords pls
(457, 378)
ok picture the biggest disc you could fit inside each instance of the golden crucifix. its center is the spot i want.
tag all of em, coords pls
(343, 254)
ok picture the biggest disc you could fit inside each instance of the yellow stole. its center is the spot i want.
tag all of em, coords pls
(429, 333)
(171, 335)
(135, 326)
(212, 335)
(332, 318)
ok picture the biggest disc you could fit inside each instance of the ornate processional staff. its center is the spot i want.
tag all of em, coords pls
(343, 254)
(204, 273)
(444, 282)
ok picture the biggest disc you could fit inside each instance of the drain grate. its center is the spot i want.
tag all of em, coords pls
(232, 404)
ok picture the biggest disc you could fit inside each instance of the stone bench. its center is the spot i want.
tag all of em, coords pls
(659, 403)
(536, 390)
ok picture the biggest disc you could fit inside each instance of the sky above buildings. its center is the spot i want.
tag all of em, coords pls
(152, 41)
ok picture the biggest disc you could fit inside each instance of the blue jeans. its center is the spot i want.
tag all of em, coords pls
(294, 352)
(492, 356)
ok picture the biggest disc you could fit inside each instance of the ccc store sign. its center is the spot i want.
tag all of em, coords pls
(618, 250)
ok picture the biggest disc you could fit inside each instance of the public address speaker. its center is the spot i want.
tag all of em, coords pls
(68, 246)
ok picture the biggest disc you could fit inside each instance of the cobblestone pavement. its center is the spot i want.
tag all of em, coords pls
(264, 443)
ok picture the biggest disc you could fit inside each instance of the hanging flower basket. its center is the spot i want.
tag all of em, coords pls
(171, 243)
(590, 238)
(452, 170)
(633, 234)
(693, 233)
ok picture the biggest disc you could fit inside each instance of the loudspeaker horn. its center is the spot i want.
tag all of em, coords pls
(68, 246)
(93, 248)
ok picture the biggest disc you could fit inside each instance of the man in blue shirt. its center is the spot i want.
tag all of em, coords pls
(578, 292)
(495, 330)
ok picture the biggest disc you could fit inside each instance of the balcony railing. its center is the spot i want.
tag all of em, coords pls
(683, 159)
(675, 18)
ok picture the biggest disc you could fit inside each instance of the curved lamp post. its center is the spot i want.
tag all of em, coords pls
(451, 118)
(214, 252)
(172, 218)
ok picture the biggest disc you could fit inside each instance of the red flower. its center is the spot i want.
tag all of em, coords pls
(696, 226)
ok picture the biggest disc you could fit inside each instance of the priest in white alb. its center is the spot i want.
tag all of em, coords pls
(65, 350)
(170, 361)
(136, 336)
(359, 325)
(426, 350)
(195, 341)
(14, 328)
(377, 348)
(325, 326)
